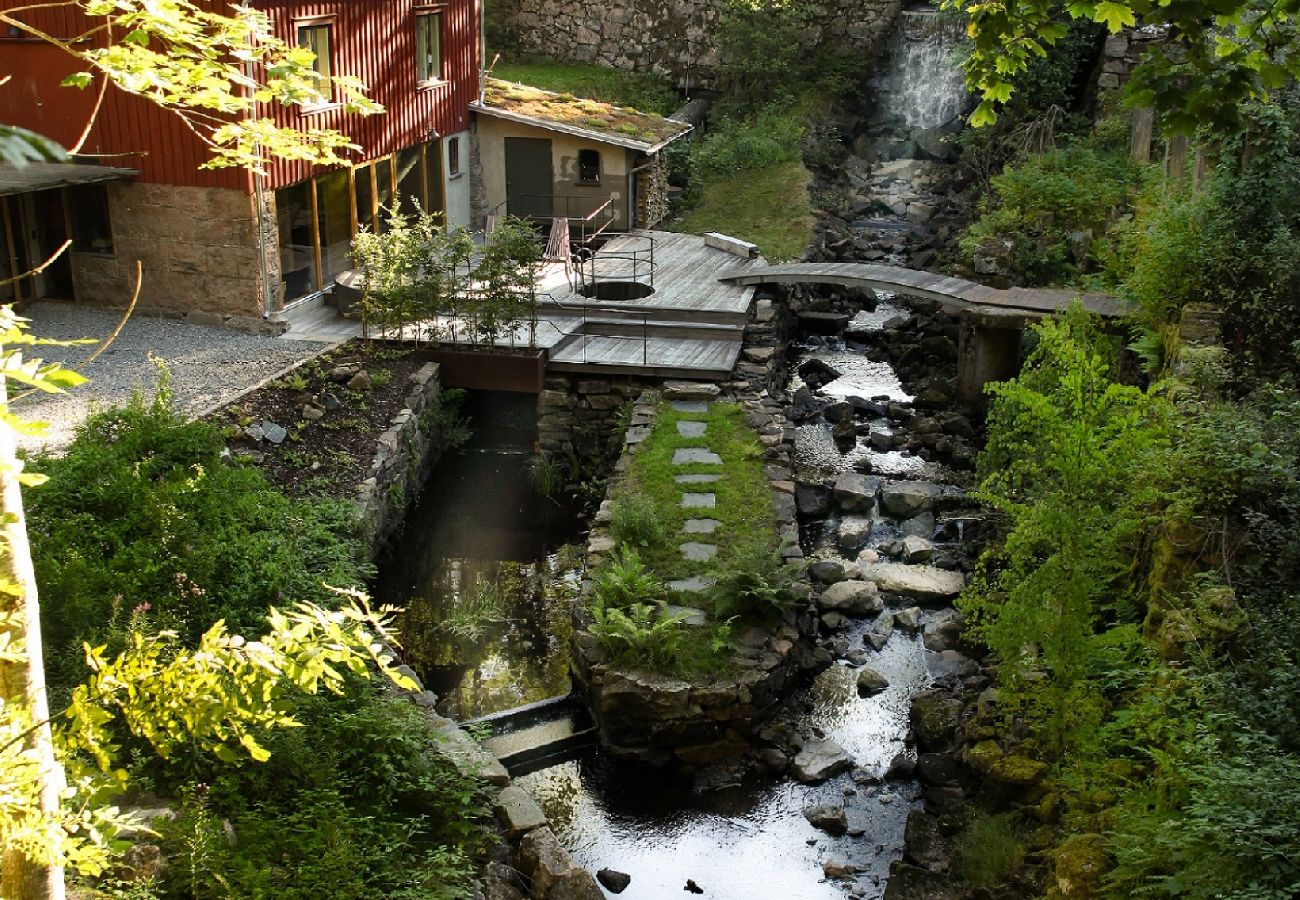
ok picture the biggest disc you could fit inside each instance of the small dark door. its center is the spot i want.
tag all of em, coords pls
(530, 183)
(46, 229)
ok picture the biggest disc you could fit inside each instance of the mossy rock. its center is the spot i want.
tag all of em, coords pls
(1018, 771)
(934, 719)
(1080, 864)
(984, 756)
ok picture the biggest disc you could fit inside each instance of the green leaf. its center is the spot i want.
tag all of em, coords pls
(1115, 15)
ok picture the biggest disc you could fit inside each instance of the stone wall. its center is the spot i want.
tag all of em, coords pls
(675, 37)
(406, 453)
(197, 248)
(581, 412)
(1122, 52)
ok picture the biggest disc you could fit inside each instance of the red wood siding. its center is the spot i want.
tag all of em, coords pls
(373, 40)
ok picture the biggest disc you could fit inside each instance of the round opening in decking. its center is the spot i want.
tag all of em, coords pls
(615, 290)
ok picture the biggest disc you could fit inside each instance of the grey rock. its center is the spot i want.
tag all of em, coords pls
(518, 812)
(693, 585)
(916, 549)
(854, 531)
(614, 881)
(871, 682)
(828, 817)
(312, 413)
(922, 582)
(685, 456)
(812, 500)
(274, 433)
(696, 479)
(697, 552)
(699, 501)
(875, 640)
(360, 381)
(552, 873)
(921, 526)
(907, 498)
(688, 615)
(829, 571)
(690, 406)
(950, 663)
(854, 492)
(820, 760)
(690, 390)
(853, 598)
(692, 429)
(909, 619)
(901, 767)
(700, 526)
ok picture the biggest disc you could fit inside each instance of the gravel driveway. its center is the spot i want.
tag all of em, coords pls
(208, 365)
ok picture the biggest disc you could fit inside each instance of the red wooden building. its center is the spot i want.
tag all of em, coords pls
(203, 244)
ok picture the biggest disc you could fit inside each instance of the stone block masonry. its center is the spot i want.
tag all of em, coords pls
(197, 248)
(678, 38)
(406, 453)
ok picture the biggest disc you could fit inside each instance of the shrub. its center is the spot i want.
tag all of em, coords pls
(755, 583)
(643, 635)
(734, 145)
(634, 521)
(989, 851)
(625, 581)
(142, 516)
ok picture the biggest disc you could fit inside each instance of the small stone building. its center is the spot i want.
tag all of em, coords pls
(549, 156)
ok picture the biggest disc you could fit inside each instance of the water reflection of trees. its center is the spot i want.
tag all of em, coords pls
(492, 634)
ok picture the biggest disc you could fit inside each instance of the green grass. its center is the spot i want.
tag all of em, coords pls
(643, 91)
(769, 207)
(744, 505)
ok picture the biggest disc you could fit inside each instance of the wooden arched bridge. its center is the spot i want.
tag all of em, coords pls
(955, 292)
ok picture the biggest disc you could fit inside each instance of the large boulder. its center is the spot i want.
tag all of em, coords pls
(871, 682)
(853, 598)
(925, 844)
(855, 493)
(831, 571)
(906, 499)
(820, 760)
(553, 874)
(812, 500)
(854, 531)
(934, 720)
(922, 582)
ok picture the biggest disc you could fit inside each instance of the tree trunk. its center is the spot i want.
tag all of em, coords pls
(24, 683)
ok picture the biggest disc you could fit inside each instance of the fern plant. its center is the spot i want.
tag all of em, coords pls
(624, 582)
(642, 635)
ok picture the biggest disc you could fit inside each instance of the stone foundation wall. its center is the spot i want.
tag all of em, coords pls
(675, 37)
(407, 451)
(581, 412)
(197, 248)
(1122, 52)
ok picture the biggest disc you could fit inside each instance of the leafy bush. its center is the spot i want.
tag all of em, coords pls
(1052, 207)
(642, 635)
(732, 145)
(143, 515)
(625, 582)
(755, 583)
(634, 521)
(989, 851)
(359, 803)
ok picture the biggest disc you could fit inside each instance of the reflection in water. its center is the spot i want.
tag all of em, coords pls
(483, 571)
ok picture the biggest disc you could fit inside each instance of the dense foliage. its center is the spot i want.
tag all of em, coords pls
(1142, 609)
(142, 515)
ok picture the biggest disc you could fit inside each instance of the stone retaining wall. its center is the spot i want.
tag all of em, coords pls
(675, 37)
(581, 411)
(406, 453)
(658, 719)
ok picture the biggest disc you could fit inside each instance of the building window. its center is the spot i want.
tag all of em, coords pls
(453, 156)
(92, 230)
(428, 47)
(316, 38)
(589, 166)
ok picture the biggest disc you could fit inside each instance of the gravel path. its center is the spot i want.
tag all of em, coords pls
(208, 365)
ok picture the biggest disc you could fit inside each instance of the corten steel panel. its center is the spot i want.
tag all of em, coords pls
(480, 370)
(373, 40)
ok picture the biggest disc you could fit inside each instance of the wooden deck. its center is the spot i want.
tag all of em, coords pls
(691, 326)
(950, 291)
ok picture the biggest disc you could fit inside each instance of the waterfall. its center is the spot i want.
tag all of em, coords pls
(922, 86)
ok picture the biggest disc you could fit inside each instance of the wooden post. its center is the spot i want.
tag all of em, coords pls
(1142, 128)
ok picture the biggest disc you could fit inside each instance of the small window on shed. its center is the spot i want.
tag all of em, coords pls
(589, 166)
(453, 156)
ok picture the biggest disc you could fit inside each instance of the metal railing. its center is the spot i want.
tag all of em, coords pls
(585, 311)
(591, 216)
(632, 263)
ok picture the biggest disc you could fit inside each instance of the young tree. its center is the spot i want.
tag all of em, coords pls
(1218, 53)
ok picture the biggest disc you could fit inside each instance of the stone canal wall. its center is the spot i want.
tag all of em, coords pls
(407, 451)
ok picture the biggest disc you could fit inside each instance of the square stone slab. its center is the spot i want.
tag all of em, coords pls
(690, 406)
(696, 479)
(692, 429)
(689, 615)
(698, 552)
(700, 526)
(693, 585)
(699, 501)
(684, 456)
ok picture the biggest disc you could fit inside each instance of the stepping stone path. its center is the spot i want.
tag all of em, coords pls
(696, 479)
(685, 456)
(696, 551)
(693, 585)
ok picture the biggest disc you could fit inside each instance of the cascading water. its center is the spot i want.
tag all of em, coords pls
(923, 87)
